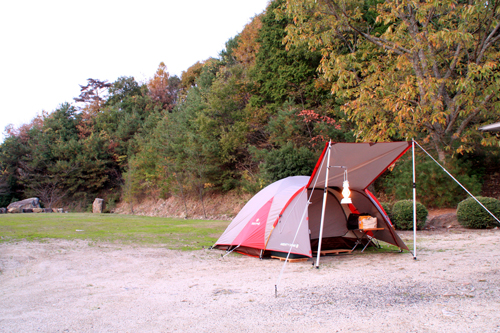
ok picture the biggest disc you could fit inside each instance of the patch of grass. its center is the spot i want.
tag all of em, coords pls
(384, 248)
(178, 234)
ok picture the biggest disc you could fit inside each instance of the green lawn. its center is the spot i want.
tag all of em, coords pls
(170, 232)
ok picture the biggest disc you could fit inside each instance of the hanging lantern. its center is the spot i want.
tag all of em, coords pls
(346, 193)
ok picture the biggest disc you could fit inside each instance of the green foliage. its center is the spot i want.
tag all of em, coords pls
(387, 206)
(282, 74)
(471, 215)
(305, 128)
(407, 69)
(435, 188)
(122, 89)
(402, 215)
(288, 161)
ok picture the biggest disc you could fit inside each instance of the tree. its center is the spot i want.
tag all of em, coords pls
(163, 89)
(227, 55)
(280, 74)
(48, 159)
(248, 45)
(126, 116)
(407, 69)
(122, 89)
(189, 76)
(93, 94)
(93, 98)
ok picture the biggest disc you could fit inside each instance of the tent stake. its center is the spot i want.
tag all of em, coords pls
(324, 204)
(414, 202)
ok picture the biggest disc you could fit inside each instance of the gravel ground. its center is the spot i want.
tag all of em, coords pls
(79, 286)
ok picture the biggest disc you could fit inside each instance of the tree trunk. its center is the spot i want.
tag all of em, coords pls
(182, 195)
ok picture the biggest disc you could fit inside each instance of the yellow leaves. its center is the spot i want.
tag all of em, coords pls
(248, 45)
(388, 94)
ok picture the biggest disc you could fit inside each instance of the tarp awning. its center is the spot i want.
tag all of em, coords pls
(364, 163)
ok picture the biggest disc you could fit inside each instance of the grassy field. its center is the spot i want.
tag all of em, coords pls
(172, 233)
(176, 234)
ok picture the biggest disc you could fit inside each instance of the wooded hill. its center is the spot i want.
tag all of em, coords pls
(299, 74)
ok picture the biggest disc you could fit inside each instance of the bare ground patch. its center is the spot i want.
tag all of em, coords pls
(77, 286)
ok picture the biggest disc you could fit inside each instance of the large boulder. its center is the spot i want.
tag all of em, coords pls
(25, 204)
(98, 206)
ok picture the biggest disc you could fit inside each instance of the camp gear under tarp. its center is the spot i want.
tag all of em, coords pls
(290, 214)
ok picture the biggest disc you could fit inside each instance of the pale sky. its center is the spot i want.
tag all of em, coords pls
(48, 48)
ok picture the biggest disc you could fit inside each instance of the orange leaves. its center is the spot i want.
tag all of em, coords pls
(159, 88)
(311, 116)
(248, 46)
(313, 121)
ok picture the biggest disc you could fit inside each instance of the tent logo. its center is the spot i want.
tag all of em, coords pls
(256, 222)
(290, 245)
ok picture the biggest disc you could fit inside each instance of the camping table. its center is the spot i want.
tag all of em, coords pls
(364, 235)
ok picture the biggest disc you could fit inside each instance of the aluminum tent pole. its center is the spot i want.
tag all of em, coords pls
(324, 204)
(414, 202)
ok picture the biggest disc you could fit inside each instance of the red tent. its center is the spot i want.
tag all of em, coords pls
(296, 213)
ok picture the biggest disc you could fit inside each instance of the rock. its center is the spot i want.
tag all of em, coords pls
(47, 210)
(3, 210)
(25, 204)
(14, 210)
(98, 206)
(27, 210)
(37, 210)
(448, 221)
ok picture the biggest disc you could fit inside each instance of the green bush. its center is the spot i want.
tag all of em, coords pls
(387, 206)
(471, 215)
(402, 215)
(287, 161)
(434, 187)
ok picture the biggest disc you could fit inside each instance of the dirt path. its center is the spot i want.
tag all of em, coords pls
(62, 286)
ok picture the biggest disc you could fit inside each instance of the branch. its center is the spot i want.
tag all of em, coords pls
(466, 122)
(385, 44)
(453, 116)
(490, 40)
(381, 42)
(456, 56)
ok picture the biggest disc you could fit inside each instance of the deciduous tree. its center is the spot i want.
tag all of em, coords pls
(163, 89)
(407, 69)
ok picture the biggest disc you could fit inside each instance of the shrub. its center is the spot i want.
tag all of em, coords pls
(402, 215)
(471, 215)
(288, 161)
(387, 206)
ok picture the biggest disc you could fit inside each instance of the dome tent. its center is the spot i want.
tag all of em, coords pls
(296, 213)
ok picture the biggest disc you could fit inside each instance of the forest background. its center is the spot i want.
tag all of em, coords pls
(299, 74)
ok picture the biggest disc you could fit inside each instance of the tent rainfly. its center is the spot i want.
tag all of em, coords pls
(296, 214)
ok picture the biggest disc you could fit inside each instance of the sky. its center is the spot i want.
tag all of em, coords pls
(49, 48)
